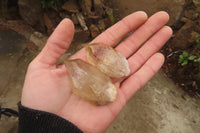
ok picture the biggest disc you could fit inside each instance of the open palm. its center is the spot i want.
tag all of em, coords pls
(47, 86)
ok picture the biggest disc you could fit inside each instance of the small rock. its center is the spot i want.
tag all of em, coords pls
(196, 3)
(98, 7)
(101, 25)
(173, 7)
(71, 6)
(194, 36)
(75, 19)
(198, 21)
(185, 37)
(54, 16)
(107, 22)
(51, 19)
(81, 20)
(64, 15)
(32, 47)
(31, 12)
(38, 39)
(94, 17)
(86, 6)
(94, 30)
(9, 10)
(110, 14)
(49, 24)
(180, 40)
(38, 34)
(191, 14)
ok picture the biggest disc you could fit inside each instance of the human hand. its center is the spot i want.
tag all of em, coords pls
(47, 85)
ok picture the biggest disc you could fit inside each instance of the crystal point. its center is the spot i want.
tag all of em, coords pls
(109, 61)
(90, 83)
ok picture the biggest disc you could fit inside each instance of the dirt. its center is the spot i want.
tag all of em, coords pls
(174, 8)
(13, 64)
(184, 76)
(159, 107)
(185, 72)
(185, 22)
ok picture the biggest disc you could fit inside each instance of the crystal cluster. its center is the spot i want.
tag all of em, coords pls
(93, 83)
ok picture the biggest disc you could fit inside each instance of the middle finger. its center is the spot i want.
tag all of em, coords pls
(137, 38)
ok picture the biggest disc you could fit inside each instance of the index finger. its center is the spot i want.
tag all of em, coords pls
(114, 34)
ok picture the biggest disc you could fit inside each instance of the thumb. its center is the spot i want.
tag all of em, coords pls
(58, 43)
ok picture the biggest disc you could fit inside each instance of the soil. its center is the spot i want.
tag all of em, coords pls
(186, 38)
(186, 76)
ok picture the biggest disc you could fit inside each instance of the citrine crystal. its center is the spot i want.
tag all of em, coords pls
(107, 60)
(90, 83)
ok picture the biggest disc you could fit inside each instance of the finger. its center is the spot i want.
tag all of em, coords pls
(57, 43)
(149, 48)
(114, 34)
(134, 41)
(142, 76)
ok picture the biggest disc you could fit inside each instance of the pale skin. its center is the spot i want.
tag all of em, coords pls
(47, 85)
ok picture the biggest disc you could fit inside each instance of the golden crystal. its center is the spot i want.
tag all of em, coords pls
(90, 83)
(107, 60)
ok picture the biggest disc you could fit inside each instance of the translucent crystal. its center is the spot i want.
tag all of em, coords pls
(90, 83)
(107, 60)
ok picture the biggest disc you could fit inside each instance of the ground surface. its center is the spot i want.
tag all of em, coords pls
(159, 107)
(13, 64)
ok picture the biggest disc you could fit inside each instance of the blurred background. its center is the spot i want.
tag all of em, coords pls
(170, 102)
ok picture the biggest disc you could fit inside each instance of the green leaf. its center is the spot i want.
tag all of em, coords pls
(197, 60)
(191, 57)
(197, 41)
(185, 54)
(180, 60)
(198, 75)
(185, 62)
(46, 4)
(196, 87)
(181, 56)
